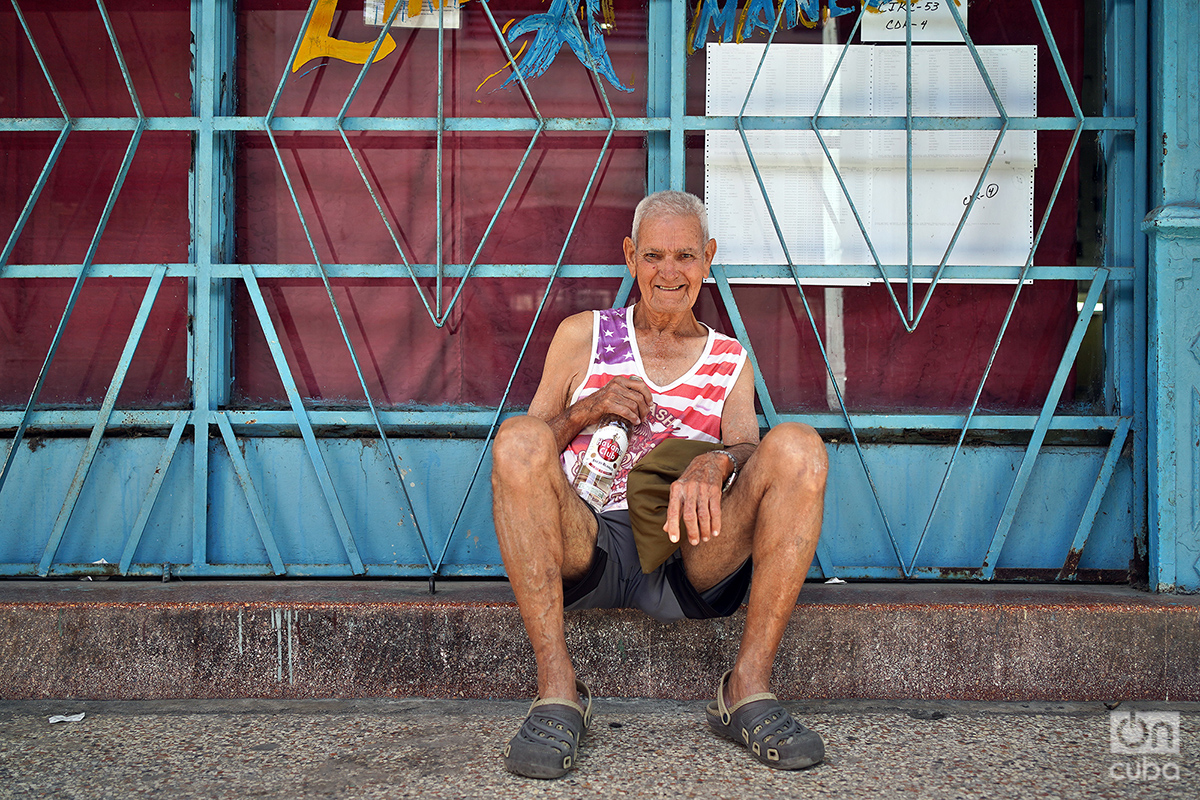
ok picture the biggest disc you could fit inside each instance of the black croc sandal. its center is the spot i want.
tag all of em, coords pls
(546, 744)
(766, 728)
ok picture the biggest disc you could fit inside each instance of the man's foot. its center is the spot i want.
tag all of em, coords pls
(547, 742)
(766, 728)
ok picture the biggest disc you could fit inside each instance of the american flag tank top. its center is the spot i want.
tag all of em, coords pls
(688, 408)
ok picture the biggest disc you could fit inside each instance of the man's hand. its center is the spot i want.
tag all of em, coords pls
(627, 398)
(696, 498)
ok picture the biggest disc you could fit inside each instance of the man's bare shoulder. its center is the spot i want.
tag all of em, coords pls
(566, 364)
(574, 334)
(577, 326)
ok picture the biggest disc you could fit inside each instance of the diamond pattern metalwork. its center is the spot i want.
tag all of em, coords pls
(439, 308)
(441, 314)
(51, 160)
(911, 317)
(111, 396)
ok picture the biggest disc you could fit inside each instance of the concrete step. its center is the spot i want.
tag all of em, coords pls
(123, 640)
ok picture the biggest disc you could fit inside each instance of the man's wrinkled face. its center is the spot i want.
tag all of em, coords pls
(670, 262)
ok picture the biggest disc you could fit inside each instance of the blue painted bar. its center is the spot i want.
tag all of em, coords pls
(878, 263)
(933, 509)
(370, 60)
(284, 369)
(658, 96)
(102, 421)
(1004, 325)
(678, 88)
(739, 332)
(328, 491)
(76, 288)
(1056, 55)
(212, 24)
(1141, 180)
(156, 482)
(762, 391)
(439, 212)
(269, 422)
(595, 124)
(1087, 520)
(908, 152)
(1005, 125)
(511, 61)
(34, 194)
(485, 450)
(112, 39)
(1053, 395)
(816, 274)
(298, 409)
(37, 53)
(261, 522)
(962, 223)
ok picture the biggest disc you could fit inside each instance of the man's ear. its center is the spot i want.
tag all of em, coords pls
(630, 253)
(710, 251)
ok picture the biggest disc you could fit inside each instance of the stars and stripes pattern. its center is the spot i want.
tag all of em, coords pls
(688, 408)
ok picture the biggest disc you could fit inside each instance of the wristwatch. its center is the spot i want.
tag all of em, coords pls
(736, 468)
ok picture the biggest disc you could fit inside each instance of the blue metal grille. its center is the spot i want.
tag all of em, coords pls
(409, 496)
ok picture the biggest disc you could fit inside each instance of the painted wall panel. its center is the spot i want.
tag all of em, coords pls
(439, 470)
(109, 503)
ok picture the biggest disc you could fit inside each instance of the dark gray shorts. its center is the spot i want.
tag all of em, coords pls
(616, 580)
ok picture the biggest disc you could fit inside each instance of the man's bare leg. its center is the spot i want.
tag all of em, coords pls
(773, 512)
(546, 535)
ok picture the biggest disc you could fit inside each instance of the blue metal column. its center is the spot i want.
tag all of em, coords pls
(658, 96)
(1173, 361)
(213, 27)
(679, 54)
(1127, 160)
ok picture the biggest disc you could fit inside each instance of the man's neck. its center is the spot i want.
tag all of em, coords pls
(669, 347)
(680, 326)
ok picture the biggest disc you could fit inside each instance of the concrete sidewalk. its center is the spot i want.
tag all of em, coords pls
(636, 748)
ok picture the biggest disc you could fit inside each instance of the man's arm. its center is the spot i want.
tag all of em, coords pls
(565, 368)
(696, 496)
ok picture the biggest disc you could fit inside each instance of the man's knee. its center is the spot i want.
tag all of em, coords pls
(523, 446)
(795, 452)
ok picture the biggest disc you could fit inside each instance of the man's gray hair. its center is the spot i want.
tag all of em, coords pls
(670, 203)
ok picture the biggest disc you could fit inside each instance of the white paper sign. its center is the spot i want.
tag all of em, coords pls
(932, 21)
(808, 196)
(375, 13)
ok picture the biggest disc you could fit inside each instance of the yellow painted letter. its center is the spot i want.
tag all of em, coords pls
(317, 42)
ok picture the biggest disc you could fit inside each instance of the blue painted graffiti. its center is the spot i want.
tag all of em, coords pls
(559, 26)
(723, 17)
(563, 24)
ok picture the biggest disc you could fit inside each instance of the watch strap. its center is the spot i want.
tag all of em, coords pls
(737, 467)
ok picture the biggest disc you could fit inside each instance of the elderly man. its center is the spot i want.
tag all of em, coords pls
(737, 502)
